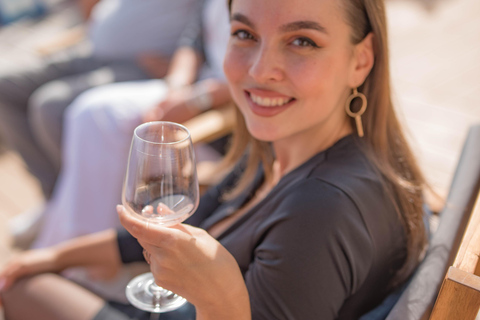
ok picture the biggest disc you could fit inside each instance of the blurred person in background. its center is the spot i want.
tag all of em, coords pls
(130, 40)
(98, 128)
(99, 125)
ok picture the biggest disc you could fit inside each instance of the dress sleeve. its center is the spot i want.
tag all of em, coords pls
(314, 254)
(129, 248)
(213, 197)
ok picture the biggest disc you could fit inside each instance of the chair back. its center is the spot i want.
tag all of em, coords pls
(418, 298)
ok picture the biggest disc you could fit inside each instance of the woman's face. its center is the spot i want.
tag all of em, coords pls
(290, 66)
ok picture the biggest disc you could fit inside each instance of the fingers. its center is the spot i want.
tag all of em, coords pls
(161, 210)
(147, 210)
(144, 230)
(153, 114)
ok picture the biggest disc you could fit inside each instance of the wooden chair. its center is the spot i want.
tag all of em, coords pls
(212, 125)
(460, 294)
(208, 127)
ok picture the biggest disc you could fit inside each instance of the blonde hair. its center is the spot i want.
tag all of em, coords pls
(385, 142)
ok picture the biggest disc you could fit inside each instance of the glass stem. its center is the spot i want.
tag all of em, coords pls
(156, 294)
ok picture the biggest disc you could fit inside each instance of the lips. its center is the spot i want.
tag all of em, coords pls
(266, 103)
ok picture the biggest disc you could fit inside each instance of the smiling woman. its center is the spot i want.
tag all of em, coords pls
(321, 217)
(314, 54)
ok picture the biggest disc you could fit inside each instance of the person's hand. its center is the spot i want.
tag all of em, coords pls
(174, 107)
(153, 64)
(191, 263)
(28, 263)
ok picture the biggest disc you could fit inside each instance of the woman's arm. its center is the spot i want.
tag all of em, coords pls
(99, 250)
(86, 7)
(94, 250)
(183, 67)
(184, 103)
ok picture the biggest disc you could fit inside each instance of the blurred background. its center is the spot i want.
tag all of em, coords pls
(435, 65)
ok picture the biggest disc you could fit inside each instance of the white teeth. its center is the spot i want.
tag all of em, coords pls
(269, 102)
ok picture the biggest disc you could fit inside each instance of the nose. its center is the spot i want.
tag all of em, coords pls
(266, 65)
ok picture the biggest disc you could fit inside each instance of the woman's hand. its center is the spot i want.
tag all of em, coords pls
(153, 64)
(191, 263)
(174, 107)
(28, 263)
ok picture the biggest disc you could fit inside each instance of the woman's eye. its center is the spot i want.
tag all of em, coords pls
(304, 42)
(243, 35)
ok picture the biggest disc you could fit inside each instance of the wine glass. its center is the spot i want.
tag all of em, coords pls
(161, 187)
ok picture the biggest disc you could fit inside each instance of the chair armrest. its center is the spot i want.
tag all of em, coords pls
(459, 295)
(205, 128)
(212, 125)
(467, 258)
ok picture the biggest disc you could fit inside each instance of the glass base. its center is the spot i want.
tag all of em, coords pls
(143, 293)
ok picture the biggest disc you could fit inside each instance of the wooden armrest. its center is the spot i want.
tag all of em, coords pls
(212, 125)
(207, 127)
(459, 296)
(62, 41)
(467, 258)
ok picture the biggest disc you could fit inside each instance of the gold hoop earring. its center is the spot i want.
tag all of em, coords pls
(357, 115)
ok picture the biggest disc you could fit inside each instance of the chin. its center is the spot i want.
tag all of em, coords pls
(262, 132)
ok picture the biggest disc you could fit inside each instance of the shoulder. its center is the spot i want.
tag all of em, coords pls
(341, 179)
(322, 211)
(318, 222)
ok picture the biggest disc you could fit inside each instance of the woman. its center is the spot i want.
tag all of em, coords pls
(330, 222)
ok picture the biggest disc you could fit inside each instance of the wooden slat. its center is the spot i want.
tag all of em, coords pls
(467, 258)
(459, 297)
(212, 124)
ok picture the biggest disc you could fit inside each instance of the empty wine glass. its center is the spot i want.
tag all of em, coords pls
(161, 187)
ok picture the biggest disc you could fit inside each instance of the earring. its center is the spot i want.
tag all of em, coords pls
(357, 115)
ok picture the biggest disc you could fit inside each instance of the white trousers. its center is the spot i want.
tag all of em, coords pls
(98, 129)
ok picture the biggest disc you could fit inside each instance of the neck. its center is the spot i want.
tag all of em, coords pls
(296, 150)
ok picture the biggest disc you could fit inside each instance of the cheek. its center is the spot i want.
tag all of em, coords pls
(318, 78)
(234, 65)
(235, 69)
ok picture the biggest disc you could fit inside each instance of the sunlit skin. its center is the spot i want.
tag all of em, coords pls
(298, 57)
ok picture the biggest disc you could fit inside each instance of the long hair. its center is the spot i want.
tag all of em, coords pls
(386, 146)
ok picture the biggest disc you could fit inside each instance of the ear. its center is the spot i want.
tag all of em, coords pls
(363, 61)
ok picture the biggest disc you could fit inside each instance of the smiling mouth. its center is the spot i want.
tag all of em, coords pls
(269, 102)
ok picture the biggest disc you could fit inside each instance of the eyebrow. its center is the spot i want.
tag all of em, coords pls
(289, 27)
(243, 19)
(299, 25)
